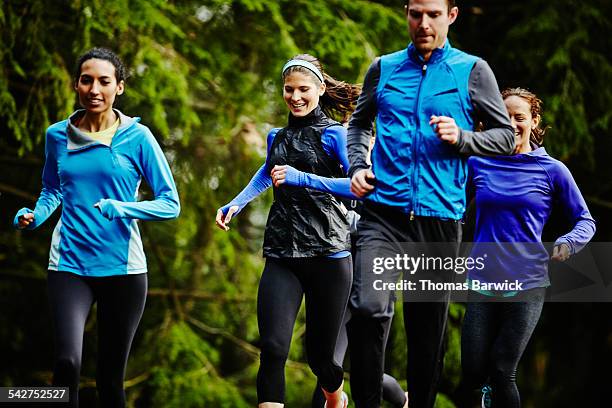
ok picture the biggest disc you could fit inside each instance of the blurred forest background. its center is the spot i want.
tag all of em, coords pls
(205, 78)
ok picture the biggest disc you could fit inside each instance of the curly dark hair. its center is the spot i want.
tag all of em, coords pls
(535, 103)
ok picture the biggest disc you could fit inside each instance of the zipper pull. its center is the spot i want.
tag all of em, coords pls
(113, 158)
(424, 69)
(412, 215)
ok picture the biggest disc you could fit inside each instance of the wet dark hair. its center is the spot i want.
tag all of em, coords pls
(340, 97)
(102, 54)
(535, 105)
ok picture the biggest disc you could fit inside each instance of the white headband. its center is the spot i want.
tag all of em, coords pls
(301, 63)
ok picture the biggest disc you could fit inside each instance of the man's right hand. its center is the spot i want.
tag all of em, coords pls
(25, 220)
(362, 182)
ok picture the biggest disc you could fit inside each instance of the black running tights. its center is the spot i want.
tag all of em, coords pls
(325, 283)
(120, 303)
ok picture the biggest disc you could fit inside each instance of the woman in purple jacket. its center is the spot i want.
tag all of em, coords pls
(514, 197)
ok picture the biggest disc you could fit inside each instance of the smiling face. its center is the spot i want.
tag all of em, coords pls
(522, 121)
(302, 92)
(428, 22)
(97, 86)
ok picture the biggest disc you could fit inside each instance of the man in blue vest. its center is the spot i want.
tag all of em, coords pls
(426, 100)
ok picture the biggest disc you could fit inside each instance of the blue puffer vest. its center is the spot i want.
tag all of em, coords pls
(416, 172)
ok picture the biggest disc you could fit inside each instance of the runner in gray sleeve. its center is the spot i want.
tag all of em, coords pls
(427, 101)
(488, 109)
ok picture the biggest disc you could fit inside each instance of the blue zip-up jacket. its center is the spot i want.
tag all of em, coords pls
(415, 171)
(103, 239)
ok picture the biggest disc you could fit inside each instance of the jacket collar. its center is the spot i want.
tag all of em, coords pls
(539, 151)
(77, 139)
(313, 117)
(437, 55)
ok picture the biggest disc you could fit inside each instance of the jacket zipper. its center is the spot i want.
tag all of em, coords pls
(415, 144)
(113, 158)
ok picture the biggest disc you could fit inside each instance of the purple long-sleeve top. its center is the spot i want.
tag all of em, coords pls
(514, 199)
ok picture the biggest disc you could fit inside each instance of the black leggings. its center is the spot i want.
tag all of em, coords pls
(121, 301)
(325, 283)
(493, 339)
(392, 392)
(386, 232)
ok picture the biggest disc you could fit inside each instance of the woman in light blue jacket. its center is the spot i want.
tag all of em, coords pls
(94, 163)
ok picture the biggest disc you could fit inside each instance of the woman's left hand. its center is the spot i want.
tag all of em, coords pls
(560, 252)
(285, 174)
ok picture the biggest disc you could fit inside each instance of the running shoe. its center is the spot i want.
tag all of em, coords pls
(344, 401)
(486, 402)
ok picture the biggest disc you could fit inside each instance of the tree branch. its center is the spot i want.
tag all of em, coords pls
(21, 161)
(178, 307)
(19, 193)
(244, 345)
(194, 294)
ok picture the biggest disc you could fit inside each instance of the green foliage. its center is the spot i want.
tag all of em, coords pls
(452, 359)
(204, 76)
(558, 50)
(442, 401)
(183, 372)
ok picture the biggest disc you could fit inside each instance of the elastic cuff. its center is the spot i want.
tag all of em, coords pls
(460, 141)
(227, 206)
(566, 242)
(19, 214)
(305, 179)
